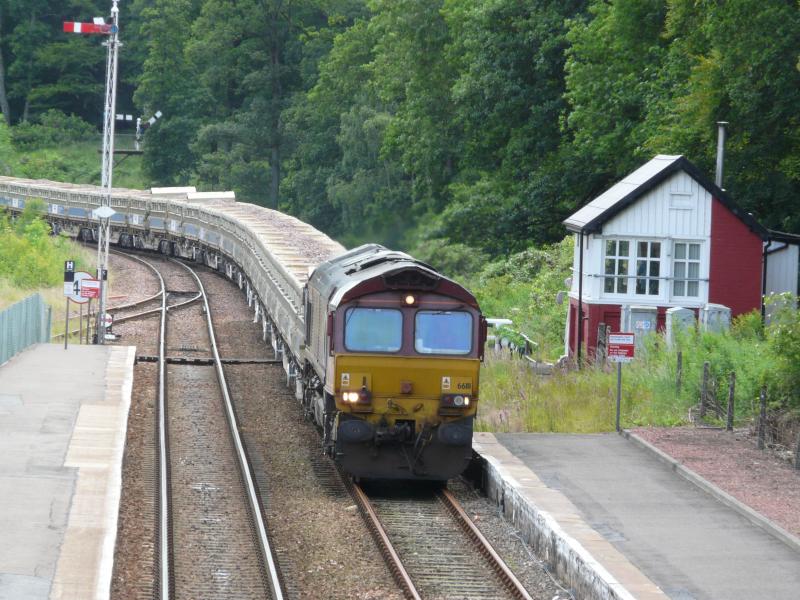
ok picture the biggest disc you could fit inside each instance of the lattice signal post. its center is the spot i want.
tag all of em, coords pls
(104, 213)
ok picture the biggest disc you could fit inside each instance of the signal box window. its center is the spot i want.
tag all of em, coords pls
(648, 268)
(686, 270)
(616, 267)
(443, 332)
(373, 330)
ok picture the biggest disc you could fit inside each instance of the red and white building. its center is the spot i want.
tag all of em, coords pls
(662, 237)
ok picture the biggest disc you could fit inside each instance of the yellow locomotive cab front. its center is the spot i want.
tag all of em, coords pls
(423, 406)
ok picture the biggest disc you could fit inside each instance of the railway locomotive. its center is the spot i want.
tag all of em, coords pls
(394, 351)
(382, 351)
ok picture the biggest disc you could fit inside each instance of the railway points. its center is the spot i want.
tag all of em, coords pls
(61, 452)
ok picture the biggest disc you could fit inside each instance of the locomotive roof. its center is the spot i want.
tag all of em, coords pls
(373, 267)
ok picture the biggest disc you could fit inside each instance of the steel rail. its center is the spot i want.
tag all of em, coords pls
(153, 311)
(252, 496)
(146, 300)
(385, 546)
(498, 565)
(137, 303)
(164, 581)
(139, 315)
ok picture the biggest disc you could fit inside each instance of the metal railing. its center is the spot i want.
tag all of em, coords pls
(23, 324)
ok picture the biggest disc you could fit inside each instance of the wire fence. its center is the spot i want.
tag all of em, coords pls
(23, 324)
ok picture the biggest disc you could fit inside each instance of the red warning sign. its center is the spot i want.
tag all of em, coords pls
(621, 347)
(90, 288)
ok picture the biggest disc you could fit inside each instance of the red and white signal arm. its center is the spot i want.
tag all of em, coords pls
(87, 28)
(621, 347)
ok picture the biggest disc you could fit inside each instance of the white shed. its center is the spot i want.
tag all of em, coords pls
(783, 264)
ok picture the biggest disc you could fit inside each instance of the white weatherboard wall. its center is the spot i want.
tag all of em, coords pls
(678, 209)
(783, 273)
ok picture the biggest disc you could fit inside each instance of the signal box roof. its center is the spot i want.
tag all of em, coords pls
(592, 216)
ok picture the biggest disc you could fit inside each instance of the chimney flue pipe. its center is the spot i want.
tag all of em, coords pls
(720, 152)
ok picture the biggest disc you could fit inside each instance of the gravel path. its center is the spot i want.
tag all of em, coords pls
(732, 461)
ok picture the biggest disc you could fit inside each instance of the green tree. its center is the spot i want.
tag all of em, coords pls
(612, 68)
(338, 176)
(736, 62)
(247, 55)
(168, 84)
(509, 101)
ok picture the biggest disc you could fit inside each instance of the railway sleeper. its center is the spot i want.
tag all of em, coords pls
(199, 360)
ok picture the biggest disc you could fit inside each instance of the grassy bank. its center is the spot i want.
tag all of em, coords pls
(32, 260)
(64, 148)
(514, 398)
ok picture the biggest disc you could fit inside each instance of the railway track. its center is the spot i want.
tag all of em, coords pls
(212, 540)
(432, 547)
(139, 309)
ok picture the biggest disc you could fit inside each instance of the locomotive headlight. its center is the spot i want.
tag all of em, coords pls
(466, 400)
(459, 401)
(410, 300)
(350, 397)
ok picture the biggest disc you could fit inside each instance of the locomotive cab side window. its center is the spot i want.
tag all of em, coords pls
(373, 329)
(443, 332)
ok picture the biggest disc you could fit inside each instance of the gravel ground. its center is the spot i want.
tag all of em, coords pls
(131, 281)
(732, 461)
(532, 572)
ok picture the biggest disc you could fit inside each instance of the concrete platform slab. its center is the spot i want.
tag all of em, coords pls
(631, 512)
(63, 417)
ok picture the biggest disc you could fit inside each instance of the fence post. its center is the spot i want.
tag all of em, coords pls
(602, 344)
(762, 421)
(679, 372)
(66, 326)
(731, 391)
(88, 319)
(797, 454)
(704, 390)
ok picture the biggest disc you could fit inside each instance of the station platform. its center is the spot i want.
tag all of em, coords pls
(63, 419)
(617, 522)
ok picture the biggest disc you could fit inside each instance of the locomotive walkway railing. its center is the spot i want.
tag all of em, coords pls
(23, 324)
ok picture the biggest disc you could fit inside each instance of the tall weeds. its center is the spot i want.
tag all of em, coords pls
(514, 398)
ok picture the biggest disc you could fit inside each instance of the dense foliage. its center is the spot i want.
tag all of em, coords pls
(431, 123)
(29, 256)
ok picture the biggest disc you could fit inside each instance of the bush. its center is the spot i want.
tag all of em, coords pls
(52, 128)
(29, 256)
(523, 288)
(783, 336)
